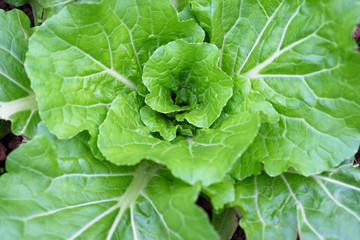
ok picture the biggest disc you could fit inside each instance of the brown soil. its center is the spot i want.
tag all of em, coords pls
(357, 35)
(7, 145)
(357, 155)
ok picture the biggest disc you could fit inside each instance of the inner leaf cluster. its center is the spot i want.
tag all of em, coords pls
(183, 91)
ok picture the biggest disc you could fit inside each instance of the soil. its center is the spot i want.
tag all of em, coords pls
(7, 145)
(239, 234)
(11, 141)
(357, 35)
(357, 155)
(206, 205)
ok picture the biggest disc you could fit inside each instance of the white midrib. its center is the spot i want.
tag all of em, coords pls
(253, 73)
(141, 178)
(14, 81)
(257, 208)
(12, 55)
(260, 35)
(132, 193)
(110, 71)
(301, 207)
(175, 3)
(27, 122)
(337, 182)
(336, 201)
(7, 109)
(144, 195)
(67, 208)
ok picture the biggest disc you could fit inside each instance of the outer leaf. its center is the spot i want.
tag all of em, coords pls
(157, 123)
(17, 100)
(246, 99)
(17, 3)
(91, 53)
(179, 4)
(206, 157)
(302, 71)
(186, 13)
(221, 193)
(318, 207)
(190, 72)
(57, 190)
(44, 9)
(226, 223)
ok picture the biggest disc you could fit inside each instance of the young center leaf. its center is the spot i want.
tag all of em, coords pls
(189, 73)
(56, 189)
(318, 207)
(83, 57)
(17, 100)
(182, 97)
(299, 55)
(206, 157)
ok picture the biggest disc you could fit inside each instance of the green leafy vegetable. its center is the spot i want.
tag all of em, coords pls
(17, 100)
(57, 189)
(190, 73)
(226, 223)
(86, 79)
(206, 157)
(319, 207)
(220, 193)
(44, 9)
(254, 105)
(157, 123)
(301, 71)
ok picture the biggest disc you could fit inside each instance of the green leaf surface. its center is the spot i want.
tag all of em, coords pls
(179, 4)
(17, 100)
(44, 9)
(58, 190)
(226, 223)
(17, 3)
(220, 193)
(186, 14)
(205, 158)
(300, 56)
(92, 53)
(245, 99)
(190, 73)
(323, 206)
(157, 123)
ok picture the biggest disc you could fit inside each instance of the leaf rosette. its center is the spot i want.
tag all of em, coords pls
(172, 119)
(188, 91)
(94, 52)
(309, 75)
(17, 99)
(190, 75)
